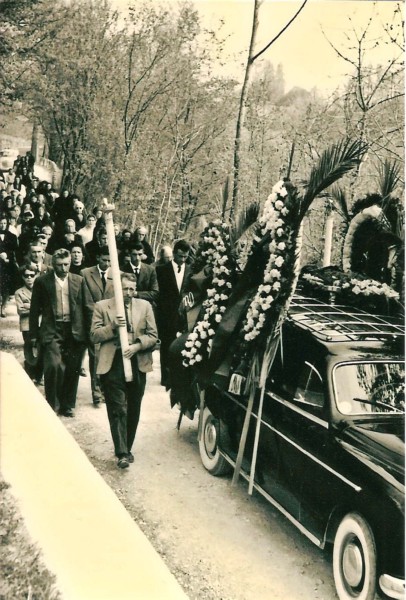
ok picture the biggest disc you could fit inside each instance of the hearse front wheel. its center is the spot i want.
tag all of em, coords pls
(209, 453)
(354, 559)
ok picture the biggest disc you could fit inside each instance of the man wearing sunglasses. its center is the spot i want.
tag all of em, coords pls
(32, 365)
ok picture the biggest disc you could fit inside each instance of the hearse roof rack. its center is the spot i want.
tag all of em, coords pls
(342, 323)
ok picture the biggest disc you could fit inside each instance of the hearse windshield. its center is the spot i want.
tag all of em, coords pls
(370, 387)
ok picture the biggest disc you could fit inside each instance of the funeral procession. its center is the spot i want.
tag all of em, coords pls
(202, 323)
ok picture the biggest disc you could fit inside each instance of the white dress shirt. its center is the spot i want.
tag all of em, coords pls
(178, 274)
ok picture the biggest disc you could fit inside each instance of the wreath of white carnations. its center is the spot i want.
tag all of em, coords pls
(217, 253)
(274, 221)
(353, 285)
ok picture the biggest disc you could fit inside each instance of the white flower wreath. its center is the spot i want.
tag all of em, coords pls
(273, 220)
(358, 287)
(217, 253)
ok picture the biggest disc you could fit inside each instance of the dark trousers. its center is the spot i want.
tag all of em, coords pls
(97, 394)
(166, 340)
(62, 361)
(34, 372)
(123, 401)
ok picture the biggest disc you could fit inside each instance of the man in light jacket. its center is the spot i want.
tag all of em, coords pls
(123, 399)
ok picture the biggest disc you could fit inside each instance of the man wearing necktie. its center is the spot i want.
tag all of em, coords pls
(123, 399)
(97, 285)
(173, 281)
(147, 284)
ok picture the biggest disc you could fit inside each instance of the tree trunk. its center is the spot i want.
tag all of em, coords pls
(241, 110)
(34, 141)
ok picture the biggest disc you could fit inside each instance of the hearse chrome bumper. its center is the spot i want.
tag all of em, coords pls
(392, 587)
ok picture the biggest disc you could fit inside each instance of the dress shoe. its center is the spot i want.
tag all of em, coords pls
(123, 462)
(69, 412)
(130, 457)
(82, 372)
(96, 403)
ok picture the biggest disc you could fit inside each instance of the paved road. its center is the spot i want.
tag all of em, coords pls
(219, 542)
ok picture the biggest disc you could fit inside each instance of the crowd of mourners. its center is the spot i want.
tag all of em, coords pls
(55, 261)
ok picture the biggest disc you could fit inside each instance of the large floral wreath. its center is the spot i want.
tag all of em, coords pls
(216, 250)
(347, 287)
(277, 283)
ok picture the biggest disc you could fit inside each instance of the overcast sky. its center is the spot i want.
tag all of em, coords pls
(307, 58)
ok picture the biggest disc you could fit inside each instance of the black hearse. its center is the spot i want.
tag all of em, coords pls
(330, 455)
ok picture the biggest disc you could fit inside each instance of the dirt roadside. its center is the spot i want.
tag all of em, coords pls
(219, 542)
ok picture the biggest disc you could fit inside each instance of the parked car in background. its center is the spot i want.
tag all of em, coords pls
(7, 158)
(330, 454)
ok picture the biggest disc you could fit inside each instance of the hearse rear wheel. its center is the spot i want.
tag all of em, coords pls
(209, 453)
(354, 559)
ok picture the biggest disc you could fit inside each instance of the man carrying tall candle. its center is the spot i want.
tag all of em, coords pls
(123, 398)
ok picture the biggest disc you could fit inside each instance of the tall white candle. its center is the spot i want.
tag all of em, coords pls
(118, 292)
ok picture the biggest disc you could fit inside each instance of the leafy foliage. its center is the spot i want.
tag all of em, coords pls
(133, 110)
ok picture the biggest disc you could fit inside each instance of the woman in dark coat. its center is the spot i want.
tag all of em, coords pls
(8, 268)
(77, 253)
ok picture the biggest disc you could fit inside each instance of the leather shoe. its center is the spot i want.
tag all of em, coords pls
(123, 462)
(66, 413)
(130, 457)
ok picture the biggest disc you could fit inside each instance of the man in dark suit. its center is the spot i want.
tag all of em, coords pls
(147, 283)
(97, 285)
(36, 256)
(173, 281)
(123, 399)
(57, 323)
(92, 248)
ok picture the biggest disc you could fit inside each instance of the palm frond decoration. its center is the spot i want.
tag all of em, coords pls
(392, 217)
(334, 163)
(392, 208)
(243, 220)
(388, 178)
(338, 195)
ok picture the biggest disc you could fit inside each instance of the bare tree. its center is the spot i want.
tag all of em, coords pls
(145, 82)
(371, 89)
(244, 91)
